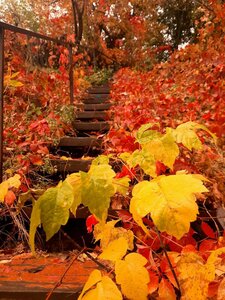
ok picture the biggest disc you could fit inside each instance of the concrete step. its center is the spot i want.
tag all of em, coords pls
(91, 126)
(80, 142)
(99, 115)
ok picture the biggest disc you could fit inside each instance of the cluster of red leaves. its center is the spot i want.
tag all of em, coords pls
(190, 86)
(33, 116)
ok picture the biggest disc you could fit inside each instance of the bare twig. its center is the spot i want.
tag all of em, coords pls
(59, 282)
(84, 250)
(168, 259)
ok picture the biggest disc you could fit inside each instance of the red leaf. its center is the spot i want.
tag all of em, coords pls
(154, 282)
(10, 198)
(166, 290)
(208, 230)
(90, 222)
(36, 160)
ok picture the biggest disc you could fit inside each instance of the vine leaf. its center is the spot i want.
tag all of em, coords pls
(51, 210)
(193, 276)
(99, 185)
(164, 149)
(100, 288)
(170, 200)
(144, 135)
(107, 232)
(133, 276)
(74, 180)
(186, 134)
(35, 221)
(166, 290)
(9, 183)
(115, 250)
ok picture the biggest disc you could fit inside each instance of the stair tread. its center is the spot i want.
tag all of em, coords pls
(92, 115)
(71, 165)
(91, 126)
(95, 106)
(80, 142)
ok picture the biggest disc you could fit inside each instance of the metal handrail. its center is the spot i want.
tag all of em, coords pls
(9, 27)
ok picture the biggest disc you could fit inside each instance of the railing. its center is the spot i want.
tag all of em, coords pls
(3, 28)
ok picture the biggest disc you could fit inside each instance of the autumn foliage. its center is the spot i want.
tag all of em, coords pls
(161, 176)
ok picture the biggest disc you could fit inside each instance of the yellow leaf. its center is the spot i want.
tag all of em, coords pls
(14, 181)
(115, 250)
(186, 134)
(193, 276)
(107, 232)
(213, 264)
(105, 288)
(9, 183)
(132, 276)
(221, 290)
(94, 278)
(75, 181)
(170, 200)
(3, 190)
(164, 149)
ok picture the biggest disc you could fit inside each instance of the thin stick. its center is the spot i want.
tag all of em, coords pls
(84, 250)
(168, 259)
(59, 282)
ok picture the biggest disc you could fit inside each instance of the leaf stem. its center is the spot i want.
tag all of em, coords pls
(169, 261)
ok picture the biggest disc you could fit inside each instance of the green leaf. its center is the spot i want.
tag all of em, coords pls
(54, 205)
(97, 189)
(35, 221)
(144, 135)
(121, 185)
(170, 200)
(75, 181)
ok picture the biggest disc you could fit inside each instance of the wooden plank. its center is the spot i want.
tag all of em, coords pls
(19, 280)
(68, 141)
(91, 126)
(99, 115)
(94, 101)
(96, 98)
(99, 90)
(71, 165)
(101, 106)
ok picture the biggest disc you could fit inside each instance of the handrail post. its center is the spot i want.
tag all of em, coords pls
(1, 98)
(71, 74)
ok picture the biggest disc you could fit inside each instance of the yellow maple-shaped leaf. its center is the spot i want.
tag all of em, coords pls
(163, 149)
(107, 232)
(193, 276)
(115, 250)
(14, 181)
(186, 134)
(214, 262)
(144, 159)
(133, 276)
(100, 287)
(9, 183)
(170, 200)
